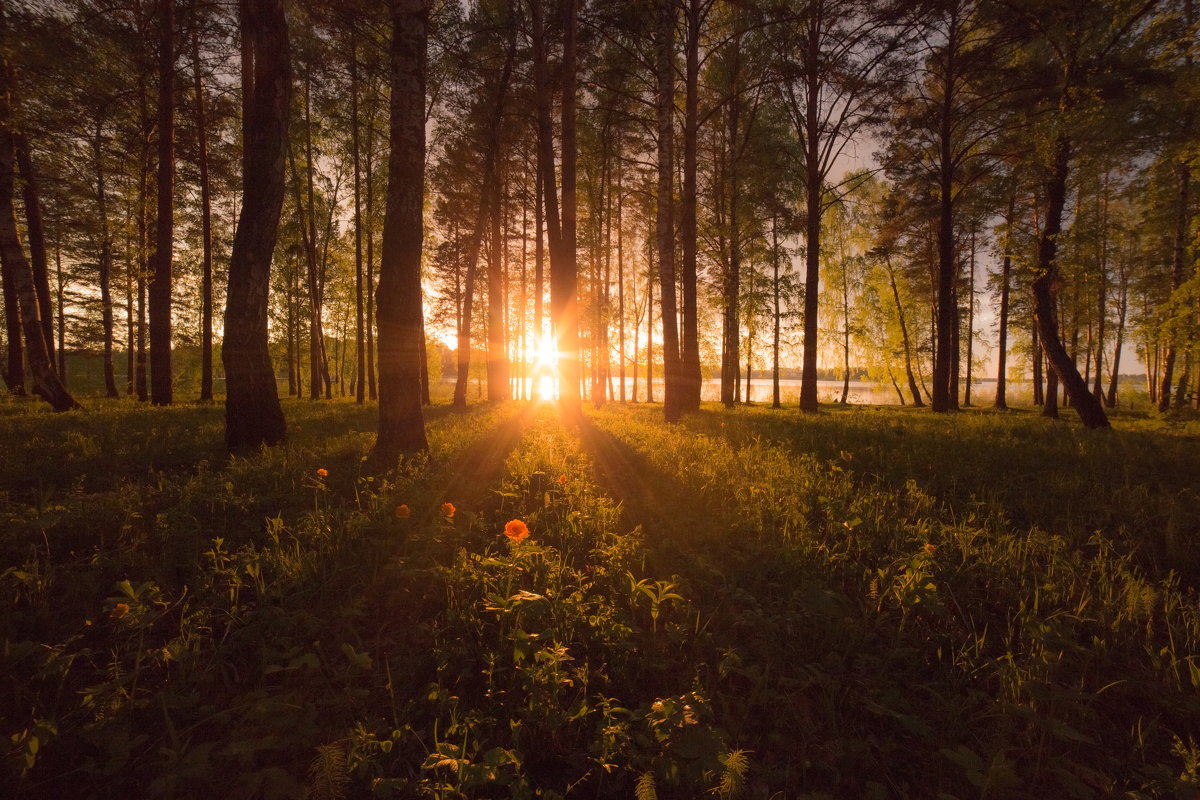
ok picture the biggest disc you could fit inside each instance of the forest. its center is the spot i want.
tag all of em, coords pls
(599, 398)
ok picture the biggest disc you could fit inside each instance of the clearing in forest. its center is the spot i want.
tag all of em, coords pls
(866, 603)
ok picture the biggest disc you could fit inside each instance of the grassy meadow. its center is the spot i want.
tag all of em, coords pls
(869, 603)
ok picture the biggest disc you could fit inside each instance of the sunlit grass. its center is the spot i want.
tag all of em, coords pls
(748, 598)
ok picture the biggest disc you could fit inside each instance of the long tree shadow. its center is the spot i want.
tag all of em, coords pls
(1135, 486)
(680, 530)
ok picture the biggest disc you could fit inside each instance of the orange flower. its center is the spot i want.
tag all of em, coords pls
(931, 548)
(516, 530)
(448, 509)
(562, 480)
(119, 610)
(324, 473)
(403, 512)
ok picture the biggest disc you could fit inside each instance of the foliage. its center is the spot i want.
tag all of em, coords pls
(750, 603)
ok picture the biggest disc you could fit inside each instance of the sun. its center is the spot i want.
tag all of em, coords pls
(545, 368)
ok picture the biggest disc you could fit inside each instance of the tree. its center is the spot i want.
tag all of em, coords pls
(161, 280)
(1082, 46)
(673, 389)
(206, 265)
(17, 270)
(401, 341)
(253, 415)
(836, 63)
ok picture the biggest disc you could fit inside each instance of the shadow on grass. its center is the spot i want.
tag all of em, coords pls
(1135, 486)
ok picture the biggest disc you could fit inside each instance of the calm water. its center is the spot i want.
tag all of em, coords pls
(827, 391)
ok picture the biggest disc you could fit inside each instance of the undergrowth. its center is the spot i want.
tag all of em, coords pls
(867, 603)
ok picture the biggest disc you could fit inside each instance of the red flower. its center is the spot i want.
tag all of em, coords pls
(516, 530)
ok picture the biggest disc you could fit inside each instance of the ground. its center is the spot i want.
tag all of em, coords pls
(870, 602)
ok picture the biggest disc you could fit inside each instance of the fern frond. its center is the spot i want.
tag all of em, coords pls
(646, 790)
(733, 777)
(328, 775)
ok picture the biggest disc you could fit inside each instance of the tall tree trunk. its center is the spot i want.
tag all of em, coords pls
(690, 378)
(360, 342)
(539, 251)
(401, 423)
(1005, 284)
(1122, 309)
(206, 266)
(1050, 404)
(621, 269)
(425, 398)
(60, 289)
(1091, 413)
(733, 279)
(497, 357)
(14, 372)
(945, 386)
(652, 274)
(17, 271)
(369, 154)
(37, 236)
(318, 374)
(160, 285)
(845, 318)
(104, 262)
(913, 388)
(970, 321)
(253, 416)
(812, 206)
(1039, 396)
(1102, 294)
(665, 221)
(775, 317)
(955, 350)
(130, 326)
(564, 271)
(145, 175)
(1182, 219)
(489, 197)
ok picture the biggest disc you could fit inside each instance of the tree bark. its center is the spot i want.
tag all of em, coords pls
(775, 317)
(1002, 344)
(161, 388)
(621, 270)
(812, 205)
(401, 422)
(360, 343)
(104, 262)
(690, 379)
(37, 236)
(970, 323)
(564, 270)
(1091, 413)
(17, 270)
(1122, 310)
(206, 268)
(665, 220)
(369, 154)
(488, 198)
(14, 372)
(1183, 173)
(1101, 294)
(913, 388)
(253, 416)
(733, 279)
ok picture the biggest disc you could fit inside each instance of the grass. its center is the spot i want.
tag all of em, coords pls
(866, 603)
